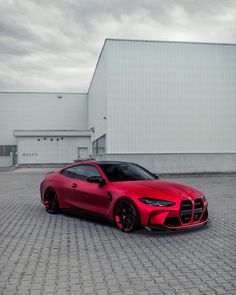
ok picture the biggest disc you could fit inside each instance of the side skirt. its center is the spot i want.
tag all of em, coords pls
(86, 214)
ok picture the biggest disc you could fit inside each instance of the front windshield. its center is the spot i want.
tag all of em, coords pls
(125, 172)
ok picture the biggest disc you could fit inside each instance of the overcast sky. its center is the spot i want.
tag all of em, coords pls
(53, 45)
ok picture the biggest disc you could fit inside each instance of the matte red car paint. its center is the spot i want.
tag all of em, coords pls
(101, 199)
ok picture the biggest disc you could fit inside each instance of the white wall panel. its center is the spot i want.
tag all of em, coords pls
(41, 111)
(40, 150)
(97, 98)
(170, 97)
(5, 161)
(179, 163)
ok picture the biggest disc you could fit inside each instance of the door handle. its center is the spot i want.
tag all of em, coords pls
(74, 185)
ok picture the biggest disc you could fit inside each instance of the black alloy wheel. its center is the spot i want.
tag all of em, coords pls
(51, 202)
(126, 216)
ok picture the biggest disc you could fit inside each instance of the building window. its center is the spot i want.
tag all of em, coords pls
(2, 151)
(99, 145)
(6, 150)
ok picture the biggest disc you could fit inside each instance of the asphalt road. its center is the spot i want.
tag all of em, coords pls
(61, 254)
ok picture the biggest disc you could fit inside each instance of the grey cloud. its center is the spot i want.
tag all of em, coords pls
(54, 45)
(11, 30)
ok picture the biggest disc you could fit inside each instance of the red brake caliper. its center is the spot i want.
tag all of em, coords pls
(118, 221)
(46, 204)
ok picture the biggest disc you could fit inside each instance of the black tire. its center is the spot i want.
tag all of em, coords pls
(126, 216)
(51, 202)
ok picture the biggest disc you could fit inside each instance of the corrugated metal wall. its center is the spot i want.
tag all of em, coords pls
(97, 98)
(41, 111)
(44, 149)
(169, 97)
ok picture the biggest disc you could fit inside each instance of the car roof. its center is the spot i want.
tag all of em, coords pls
(95, 162)
(112, 162)
(101, 162)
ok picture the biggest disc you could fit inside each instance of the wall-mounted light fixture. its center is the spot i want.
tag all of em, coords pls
(59, 97)
(92, 129)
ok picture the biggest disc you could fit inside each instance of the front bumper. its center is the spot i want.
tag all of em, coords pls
(177, 218)
(175, 228)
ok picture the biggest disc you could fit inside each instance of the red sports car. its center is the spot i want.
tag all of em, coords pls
(124, 193)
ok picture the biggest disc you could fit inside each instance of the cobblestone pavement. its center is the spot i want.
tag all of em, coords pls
(62, 254)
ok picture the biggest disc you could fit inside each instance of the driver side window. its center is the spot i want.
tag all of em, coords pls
(85, 171)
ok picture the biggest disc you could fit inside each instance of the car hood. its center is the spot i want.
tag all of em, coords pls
(158, 189)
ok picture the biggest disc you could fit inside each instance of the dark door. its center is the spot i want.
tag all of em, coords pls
(14, 155)
(85, 195)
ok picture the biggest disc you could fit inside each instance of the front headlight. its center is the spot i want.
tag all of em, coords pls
(154, 202)
(204, 199)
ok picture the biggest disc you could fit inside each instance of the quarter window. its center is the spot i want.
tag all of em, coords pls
(70, 172)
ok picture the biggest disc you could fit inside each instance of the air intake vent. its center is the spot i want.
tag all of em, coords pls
(204, 216)
(172, 221)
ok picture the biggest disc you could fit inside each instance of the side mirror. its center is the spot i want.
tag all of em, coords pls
(96, 179)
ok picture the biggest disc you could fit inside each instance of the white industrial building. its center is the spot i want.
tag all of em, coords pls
(43, 128)
(170, 106)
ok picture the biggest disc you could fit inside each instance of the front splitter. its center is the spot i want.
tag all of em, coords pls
(181, 228)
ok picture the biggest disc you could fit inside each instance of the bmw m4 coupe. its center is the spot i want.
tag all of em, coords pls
(125, 194)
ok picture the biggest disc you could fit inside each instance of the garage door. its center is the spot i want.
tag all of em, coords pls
(50, 149)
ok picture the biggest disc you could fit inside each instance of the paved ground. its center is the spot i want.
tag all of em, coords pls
(48, 254)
